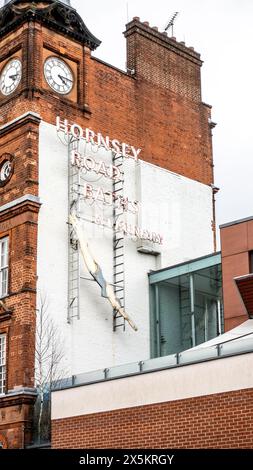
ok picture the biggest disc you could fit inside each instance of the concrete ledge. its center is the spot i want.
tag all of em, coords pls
(20, 200)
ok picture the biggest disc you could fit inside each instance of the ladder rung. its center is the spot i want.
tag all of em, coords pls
(117, 190)
(118, 316)
(118, 182)
(117, 158)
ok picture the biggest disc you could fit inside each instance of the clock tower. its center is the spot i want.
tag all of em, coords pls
(44, 46)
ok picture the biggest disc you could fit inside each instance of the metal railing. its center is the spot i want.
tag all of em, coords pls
(232, 347)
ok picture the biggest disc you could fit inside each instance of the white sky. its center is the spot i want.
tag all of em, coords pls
(222, 31)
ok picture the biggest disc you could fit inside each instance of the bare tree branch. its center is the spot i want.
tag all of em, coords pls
(49, 355)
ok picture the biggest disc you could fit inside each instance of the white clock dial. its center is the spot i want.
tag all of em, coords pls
(11, 76)
(5, 171)
(58, 75)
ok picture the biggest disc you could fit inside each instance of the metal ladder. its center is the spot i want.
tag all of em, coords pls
(118, 249)
(73, 246)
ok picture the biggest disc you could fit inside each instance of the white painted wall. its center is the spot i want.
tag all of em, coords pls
(206, 378)
(175, 206)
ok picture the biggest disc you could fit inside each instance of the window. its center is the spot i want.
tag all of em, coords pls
(4, 248)
(186, 309)
(2, 363)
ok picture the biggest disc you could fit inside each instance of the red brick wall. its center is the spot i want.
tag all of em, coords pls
(20, 225)
(18, 317)
(16, 414)
(215, 421)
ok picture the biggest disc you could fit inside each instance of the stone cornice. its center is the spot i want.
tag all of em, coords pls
(53, 14)
(26, 118)
(26, 203)
(18, 397)
(5, 312)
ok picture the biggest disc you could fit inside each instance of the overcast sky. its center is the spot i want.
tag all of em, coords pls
(222, 31)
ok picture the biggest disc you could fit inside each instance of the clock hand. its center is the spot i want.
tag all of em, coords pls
(63, 79)
(14, 76)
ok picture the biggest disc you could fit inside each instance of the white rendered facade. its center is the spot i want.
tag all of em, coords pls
(178, 208)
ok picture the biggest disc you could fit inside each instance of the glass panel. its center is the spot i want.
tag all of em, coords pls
(4, 282)
(237, 346)
(2, 379)
(89, 377)
(2, 350)
(3, 267)
(173, 327)
(208, 291)
(186, 310)
(159, 362)
(2, 363)
(4, 252)
(154, 327)
(196, 355)
(125, 369)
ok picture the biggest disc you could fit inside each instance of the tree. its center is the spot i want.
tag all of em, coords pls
(49, 355)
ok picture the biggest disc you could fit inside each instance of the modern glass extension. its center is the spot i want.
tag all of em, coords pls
(185, 305)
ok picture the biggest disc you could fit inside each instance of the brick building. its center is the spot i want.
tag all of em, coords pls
(133, 146)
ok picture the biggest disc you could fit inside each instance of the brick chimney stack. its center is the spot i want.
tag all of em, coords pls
(161, 60)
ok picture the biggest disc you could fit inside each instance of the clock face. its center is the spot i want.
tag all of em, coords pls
(6, 170)
(11, 76)
(58, 75)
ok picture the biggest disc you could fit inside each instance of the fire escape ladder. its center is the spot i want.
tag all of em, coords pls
(118, 246)
(73, 245)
